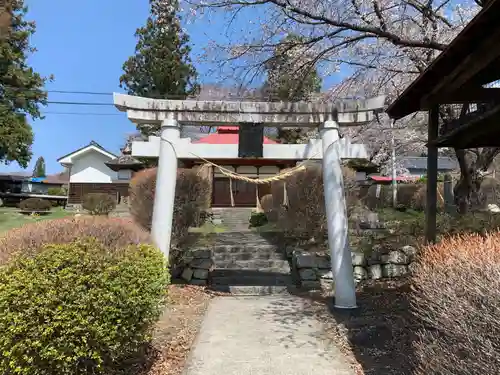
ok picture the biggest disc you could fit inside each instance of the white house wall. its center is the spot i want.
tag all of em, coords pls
(187, 150)
(90, 168)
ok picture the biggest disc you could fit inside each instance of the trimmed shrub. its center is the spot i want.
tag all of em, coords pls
(455, 298)
(192, 197)
(410, 195)
(99, 203)
(56, 191)
(278, 193)
(78, 308)
(305, 213)
(306, 210)
(257, 219)
(419, 198)
(113, 233)
(490, 190)
(35, 204)
(267, 204)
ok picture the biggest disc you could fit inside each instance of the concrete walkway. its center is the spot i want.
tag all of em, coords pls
(263, 336)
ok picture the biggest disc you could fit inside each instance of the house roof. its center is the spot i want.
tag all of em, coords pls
(92, 145)
(420, 162)
(389, 178)
(227, 135)
(124, 162)
(14, 176)
(58, 178)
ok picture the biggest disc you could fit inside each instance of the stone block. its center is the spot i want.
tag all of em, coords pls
(360, 273)
(394, 270)
(201, 254)
(323, 262)
(200, 274)
(384, 259)
(380, 249)
(187, 274)
(410, 251)
(358, 258)
(307, 274)
(397, 257)
(205, 264)
(304, 260)
(375, 271)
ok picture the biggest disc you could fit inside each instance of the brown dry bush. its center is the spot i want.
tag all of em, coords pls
(278, 193)
(192, 197)
(456, 298)
(490, 190)
(410, 195)
(113, 233)
(306, 204)
(420, 197)
(266, 202)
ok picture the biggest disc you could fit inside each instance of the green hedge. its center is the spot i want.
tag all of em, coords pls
(99, 203)
(35, 204)
(258, 219)
(78, 308)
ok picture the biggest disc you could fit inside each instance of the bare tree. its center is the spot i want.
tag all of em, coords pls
(382, 45)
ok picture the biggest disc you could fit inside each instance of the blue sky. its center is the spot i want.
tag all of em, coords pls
(84, 45)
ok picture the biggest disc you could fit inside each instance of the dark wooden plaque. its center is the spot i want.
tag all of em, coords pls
(251, 139)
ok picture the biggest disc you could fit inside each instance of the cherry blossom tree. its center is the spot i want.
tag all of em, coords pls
(372, 46)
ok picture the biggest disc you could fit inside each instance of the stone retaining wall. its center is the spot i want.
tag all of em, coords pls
(198, 263)
(313, 270)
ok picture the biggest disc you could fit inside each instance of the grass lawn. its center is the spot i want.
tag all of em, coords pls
(11, 218)
(208, 228)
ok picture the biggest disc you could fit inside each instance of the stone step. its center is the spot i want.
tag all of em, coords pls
(255, 264)
(251, 282)
(262, 273)
(253, 290)
(248, 256)
(247, 249)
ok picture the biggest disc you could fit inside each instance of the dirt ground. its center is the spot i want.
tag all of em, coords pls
(378, 337)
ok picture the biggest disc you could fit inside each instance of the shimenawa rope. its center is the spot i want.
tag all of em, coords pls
(233, 175)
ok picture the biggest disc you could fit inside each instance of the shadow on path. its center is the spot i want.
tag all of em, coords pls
(378, 336)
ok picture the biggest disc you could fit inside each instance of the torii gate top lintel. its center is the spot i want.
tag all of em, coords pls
(301, 114)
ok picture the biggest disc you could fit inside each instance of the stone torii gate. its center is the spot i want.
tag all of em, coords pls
(331, 148)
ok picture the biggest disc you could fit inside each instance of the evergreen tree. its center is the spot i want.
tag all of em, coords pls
(20, 87)
(39, 170)
(291, 76)
(161, 67)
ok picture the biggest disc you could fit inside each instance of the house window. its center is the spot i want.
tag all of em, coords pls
(124, 174)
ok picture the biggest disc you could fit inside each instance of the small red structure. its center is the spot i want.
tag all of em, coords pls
(236, 193)
(227, 135)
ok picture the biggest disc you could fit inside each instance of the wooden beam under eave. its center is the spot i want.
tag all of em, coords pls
(464, 72)
(464, 95)
(432, 174)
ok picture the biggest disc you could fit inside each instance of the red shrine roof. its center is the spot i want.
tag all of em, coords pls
(227, 135)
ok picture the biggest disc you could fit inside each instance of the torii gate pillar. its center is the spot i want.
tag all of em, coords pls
(166, 177)
(336, 217)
